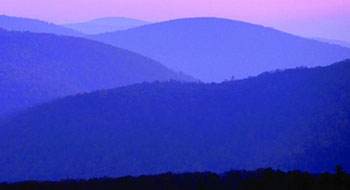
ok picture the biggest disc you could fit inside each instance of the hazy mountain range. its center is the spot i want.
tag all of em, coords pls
(39, 67)
(213, 49)
(34, 25)
(108, 24)
(293, 119)
(73, 107)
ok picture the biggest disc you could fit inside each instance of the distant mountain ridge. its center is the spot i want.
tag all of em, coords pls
(292, 119)
(35, 68)
(215, 49)
(34, 25)
(108, 24)
(336, 42)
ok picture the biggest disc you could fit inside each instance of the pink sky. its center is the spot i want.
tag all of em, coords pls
(292, 15)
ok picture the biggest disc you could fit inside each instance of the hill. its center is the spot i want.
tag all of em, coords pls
(213, 49)
(39, 67)
(293, 119)
(108, 24)
(34, 25)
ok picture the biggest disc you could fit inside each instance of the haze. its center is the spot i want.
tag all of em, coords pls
(310, 18)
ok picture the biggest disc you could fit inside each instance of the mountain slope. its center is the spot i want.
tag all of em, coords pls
(295, 119)
(33, 25)
(39, 67)
(213, 49)
(108, 24)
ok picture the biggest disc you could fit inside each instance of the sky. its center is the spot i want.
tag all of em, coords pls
(310, 18)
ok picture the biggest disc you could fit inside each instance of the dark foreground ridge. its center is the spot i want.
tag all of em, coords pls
(296, 119)
(258, 179)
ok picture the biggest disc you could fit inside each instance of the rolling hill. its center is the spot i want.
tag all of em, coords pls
(39, 67)
(108, 24)
(34, 25)
(214, 49)
(292, 119)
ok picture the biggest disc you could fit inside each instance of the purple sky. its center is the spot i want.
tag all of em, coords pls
(324, 18)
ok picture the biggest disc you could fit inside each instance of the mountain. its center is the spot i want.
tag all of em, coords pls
(33, 25)
(336, 42)
(214, 49)
(292, 119)
(108, 24)
(39, 67)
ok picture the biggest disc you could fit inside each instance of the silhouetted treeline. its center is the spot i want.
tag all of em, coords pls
(260, 179)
